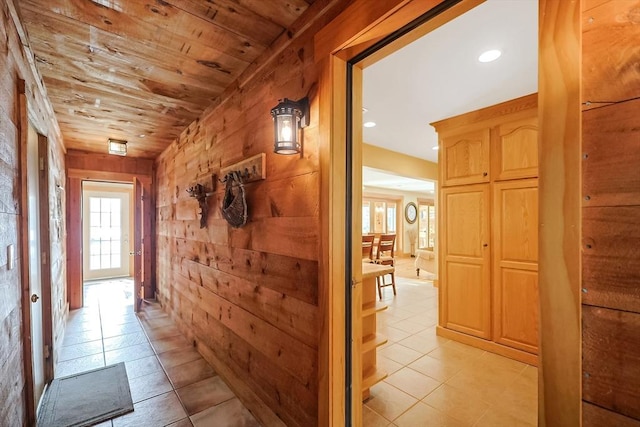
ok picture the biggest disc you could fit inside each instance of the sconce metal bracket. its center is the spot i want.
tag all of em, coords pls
(250, 170)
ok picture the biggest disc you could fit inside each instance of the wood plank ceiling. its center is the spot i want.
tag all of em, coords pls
(142, 70)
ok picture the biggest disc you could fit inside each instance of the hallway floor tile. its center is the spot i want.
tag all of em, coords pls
(171, 384)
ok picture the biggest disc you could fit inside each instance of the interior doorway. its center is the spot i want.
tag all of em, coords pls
(35, 251)
(428, 213)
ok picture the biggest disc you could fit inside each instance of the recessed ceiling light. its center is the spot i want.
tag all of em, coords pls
(369, 124)
(142, 135)
(435, 147)
(489, 55)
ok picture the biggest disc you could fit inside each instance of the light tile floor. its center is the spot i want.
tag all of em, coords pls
(437, 382)
(432, 381)
(171, 384)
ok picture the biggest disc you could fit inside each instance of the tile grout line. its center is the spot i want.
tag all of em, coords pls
(155, 353)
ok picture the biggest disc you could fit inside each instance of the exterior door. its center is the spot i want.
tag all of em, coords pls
(106, 230)
(466, 259)
(35, 276)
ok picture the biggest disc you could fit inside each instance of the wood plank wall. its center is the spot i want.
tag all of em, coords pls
(611, 213)
(248, 297)
(14, 65)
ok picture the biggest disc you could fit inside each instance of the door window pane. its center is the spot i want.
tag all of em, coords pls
(391, 219)
(105, 234)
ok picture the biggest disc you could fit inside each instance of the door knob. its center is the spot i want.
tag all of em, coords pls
(34, 298)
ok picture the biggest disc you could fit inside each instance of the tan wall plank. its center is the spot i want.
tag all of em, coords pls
(611, 359)
(610, 32)
(611, 144)
(610, 260)
(595, 416)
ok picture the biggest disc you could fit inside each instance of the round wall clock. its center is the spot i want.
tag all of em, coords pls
(411, 212)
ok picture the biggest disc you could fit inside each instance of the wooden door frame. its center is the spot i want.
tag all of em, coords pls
(75, 177)
(358, 27)
(45, 250)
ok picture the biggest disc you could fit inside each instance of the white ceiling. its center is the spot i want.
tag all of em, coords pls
(439, 75)
(374, 178)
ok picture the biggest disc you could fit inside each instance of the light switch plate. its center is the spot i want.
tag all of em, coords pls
(11, 257)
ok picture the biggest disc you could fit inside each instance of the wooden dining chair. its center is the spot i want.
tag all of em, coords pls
(386, 256)
(367, 248)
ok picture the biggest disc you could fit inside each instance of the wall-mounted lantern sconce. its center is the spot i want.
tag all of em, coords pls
(117, 147)
(288, 118)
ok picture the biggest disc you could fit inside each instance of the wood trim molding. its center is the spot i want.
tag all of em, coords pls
(491, 346)
(559, 105)
(45, 251)
(559, 395)
(30, 410)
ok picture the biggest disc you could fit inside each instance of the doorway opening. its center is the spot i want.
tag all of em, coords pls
(429, 373)
(107, 231)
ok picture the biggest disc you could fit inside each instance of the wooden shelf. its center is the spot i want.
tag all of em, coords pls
(373, 341)
(373, 308)
(372, 377)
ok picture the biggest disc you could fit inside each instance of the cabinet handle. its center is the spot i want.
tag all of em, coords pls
(484, 245)
(485, 173)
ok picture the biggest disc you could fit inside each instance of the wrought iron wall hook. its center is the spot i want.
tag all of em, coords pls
(198, 192)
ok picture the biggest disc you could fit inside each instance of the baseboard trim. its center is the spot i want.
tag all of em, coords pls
(490, 346)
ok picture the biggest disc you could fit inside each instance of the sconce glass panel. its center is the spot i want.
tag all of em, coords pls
(286, 116)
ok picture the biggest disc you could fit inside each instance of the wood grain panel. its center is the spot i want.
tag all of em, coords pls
(559, 397)
(611, 153)
(466, 285)
(516, 149)
(516, 308)
(295, 317)
(515, 264)
(293, 401)
(464, 157)
(163, 62)
(611, 359)
(19, 100)
(611, 23)
(595, 416)
(611, 257)
(248, 296)
(515, 216)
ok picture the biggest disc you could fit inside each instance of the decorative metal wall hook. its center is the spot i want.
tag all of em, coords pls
(198, 192)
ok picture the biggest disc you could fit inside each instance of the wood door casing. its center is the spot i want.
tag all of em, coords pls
(465, 157)
(515, 264)
(137, 245)
(466, 259)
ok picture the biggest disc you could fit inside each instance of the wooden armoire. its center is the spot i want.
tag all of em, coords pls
(488, 228)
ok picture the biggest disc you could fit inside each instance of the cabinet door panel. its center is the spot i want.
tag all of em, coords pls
(465, 158)
(515, 266)
(466, 298)
(518, 321)
(516, 149)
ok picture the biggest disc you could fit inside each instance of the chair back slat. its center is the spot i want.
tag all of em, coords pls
(367, 247)
(386, 246)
